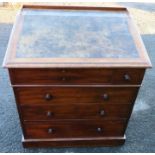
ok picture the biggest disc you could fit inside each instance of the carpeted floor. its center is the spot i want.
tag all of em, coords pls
(141, 129)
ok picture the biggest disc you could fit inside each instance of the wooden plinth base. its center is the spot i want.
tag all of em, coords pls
(74, 142)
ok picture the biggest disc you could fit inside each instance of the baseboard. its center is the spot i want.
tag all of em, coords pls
(74, 142)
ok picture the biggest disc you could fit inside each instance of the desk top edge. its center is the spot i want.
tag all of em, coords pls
(8, 64)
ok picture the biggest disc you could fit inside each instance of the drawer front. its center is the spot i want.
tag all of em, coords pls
(69, 129)
(71, 95)
(75, 111)
(75, 76)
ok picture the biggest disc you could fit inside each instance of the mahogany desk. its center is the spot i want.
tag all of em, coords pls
(75, 73)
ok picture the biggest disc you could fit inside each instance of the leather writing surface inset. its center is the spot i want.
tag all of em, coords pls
(75, 34)
(75, 37)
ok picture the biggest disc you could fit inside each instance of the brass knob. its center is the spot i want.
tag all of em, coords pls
(50, 130)
(127, 77)
(48, 96)
(99, 129)
(102, 112)
(49, 114)
(105, 96)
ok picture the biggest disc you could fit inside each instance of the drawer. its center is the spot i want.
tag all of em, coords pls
(68, 95)
(75, 111)
(75, 76)
(71, 129)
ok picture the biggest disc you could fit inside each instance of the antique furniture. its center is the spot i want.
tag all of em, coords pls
(75, 72)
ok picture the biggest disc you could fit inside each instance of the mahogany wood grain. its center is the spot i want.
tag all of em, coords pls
(37, 6)
(75, 111)
(74, 129)
(73, 95)
(77, 76)
(76, 101)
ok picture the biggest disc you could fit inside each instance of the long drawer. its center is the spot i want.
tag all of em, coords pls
(76, 76)
(71, 95)
(75, 111)
(70, 129)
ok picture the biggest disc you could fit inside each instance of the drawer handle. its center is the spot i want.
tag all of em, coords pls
(127, 77)
(99, 130)
(102, 112)
(63, 71)
(49, 114)
(63, 79)
(105, 96)
(50, 130)
(48, 97)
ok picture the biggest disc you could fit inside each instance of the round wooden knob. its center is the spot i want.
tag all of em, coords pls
(48, 96)
(102, 112)
(63, 71)
(99, 129)
(49, 114)
(50, 130)
(127, 77)
(105, 96)
(63, 79)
